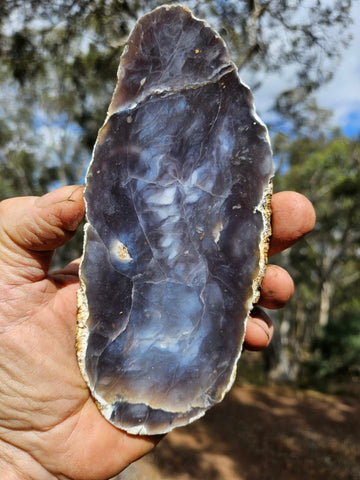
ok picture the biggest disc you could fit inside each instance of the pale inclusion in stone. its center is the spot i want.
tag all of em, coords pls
(118, 251)
(177, 198)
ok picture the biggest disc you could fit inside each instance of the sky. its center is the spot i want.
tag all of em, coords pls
(341, 94)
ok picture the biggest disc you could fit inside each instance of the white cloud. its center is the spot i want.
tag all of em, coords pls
(341, 94)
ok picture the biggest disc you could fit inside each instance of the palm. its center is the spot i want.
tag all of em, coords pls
(46, 413)
(53, 404)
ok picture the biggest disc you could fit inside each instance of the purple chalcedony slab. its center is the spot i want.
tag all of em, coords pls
(177, 198)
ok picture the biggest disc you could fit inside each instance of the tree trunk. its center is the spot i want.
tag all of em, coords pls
(327, 290)
(279, 364)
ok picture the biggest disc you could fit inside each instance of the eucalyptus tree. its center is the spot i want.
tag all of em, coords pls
(59, 59)
(325, 266)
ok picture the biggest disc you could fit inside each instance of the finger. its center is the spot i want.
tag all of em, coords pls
(277, 287)
(71, 268)
(293, 216)
(32, 227)
(42, 223)
(67, 275)
(259, 330)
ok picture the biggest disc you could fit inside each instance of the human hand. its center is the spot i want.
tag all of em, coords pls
(50, 427)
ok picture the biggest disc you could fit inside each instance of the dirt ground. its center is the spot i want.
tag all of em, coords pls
(262, 433)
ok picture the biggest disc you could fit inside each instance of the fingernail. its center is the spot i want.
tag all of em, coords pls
(68, 193)
(259, 317)
(77, 193)
(262, 325)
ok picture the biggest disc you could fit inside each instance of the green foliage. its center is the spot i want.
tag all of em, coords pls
(325, 267)
(334, 356)
(327, 171)
(61, 57)
(49, 34)
(59, 62)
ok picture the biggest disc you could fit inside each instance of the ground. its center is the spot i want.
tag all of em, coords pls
(262, 433)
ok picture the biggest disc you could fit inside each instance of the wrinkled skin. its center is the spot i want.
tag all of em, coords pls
(50, 428)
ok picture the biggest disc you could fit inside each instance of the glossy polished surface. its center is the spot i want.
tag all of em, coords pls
(177, 201)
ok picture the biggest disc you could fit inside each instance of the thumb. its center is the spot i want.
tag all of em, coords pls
(31, 228)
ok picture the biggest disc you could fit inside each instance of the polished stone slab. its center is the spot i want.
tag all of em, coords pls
(177, 200)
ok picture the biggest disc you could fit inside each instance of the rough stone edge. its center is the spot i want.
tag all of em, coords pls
(82, 330)
(82, 335)
(226, 68)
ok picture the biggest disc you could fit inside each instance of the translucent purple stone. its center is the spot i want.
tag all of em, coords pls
(177, 198)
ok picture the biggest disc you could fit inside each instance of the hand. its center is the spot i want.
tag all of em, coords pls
(50, 428)
(49, 425)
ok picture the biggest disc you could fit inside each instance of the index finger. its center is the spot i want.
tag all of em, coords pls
(293, 216)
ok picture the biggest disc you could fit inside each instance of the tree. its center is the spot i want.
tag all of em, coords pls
(63, 56)
(326, 268)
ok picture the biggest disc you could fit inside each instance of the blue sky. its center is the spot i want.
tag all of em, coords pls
(341, 95)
